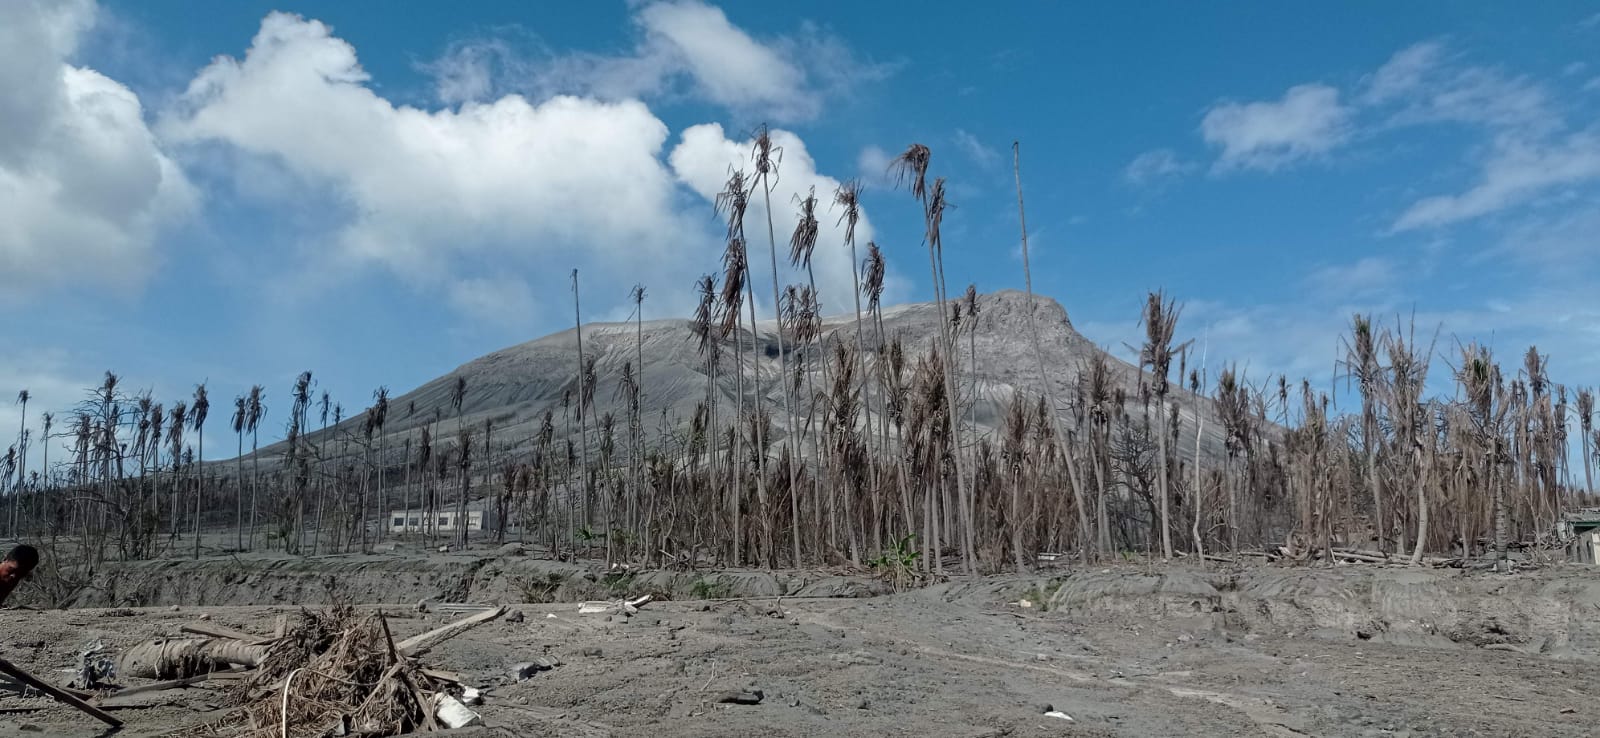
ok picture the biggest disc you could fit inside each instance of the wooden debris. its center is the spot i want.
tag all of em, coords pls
(741, 697)
(180, 658)
(60, 695)
(419, 643)
(210, 630)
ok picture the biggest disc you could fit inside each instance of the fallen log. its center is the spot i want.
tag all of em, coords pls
(181, 658)
(418, 643)
(60, 695)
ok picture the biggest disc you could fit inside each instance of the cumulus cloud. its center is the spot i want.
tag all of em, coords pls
(1155, 167)
(1308, 122)
(424, 188)
(460, 200)
(84, 186)
(684, 48)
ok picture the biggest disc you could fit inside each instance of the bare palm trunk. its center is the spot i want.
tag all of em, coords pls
(1038, 358)
(255, 482)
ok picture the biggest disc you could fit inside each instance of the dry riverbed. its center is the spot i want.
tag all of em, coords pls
(1361, 651)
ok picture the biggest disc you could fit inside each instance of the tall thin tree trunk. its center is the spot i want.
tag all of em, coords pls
(1038, 358)
(583, 415)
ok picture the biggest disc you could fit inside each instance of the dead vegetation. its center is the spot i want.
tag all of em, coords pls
(876, 452)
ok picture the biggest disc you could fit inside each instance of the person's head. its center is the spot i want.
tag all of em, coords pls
(24, 557)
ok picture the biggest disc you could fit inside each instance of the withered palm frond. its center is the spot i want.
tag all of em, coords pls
(971, 300)
(733, 263)
(200, 409)
(804, 239)
(1478, 377)
(1586, 409)
(706, 310)
(937, 204)
(848, 197)
(873, 272)
(766, 154)
(458, 394)
(589, 377)
(380, 407)
(1160, 321)
(732, 202)
(910, 170)
(1536, 369)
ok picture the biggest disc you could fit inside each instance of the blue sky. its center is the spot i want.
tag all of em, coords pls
(381, 192)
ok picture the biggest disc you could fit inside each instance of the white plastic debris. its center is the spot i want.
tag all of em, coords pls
(1059, 714)
(471, 696)
(452, 713)
(596, 607)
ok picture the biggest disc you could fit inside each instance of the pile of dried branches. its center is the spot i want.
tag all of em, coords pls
(340, 672)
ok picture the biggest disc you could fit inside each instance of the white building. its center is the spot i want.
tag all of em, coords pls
(480, 516)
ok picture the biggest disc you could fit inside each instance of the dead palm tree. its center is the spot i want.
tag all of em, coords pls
(458, 397)
(197, 419)
(767, 157)
(1586, 424)
(583, 418)
(1160, 321)
(1361, 360)
(255, 412)
(179, 418)
(22, 461)
(732, 202)
(240, 415)
(911, 169)
(380, 417)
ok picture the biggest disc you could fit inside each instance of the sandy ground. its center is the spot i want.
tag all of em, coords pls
(959, 659)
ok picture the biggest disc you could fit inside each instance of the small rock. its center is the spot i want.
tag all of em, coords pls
(515, 617)
(175, 608)
(30, 728)
(593, 651)
(1040, 657)
(750, 696)
(864, 704)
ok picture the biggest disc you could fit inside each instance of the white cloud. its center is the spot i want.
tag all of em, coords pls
(685, 47)
(1155, 167)
(506, 181)
(1515, 172)
(84, 187)
(1308, 122)
(1424, 86)
(979, 152)
(703, 161)
(872, 166)
(729, 67)
(475, 202)
(1366, 277)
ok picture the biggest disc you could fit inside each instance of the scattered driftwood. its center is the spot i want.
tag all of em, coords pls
(60, 695)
